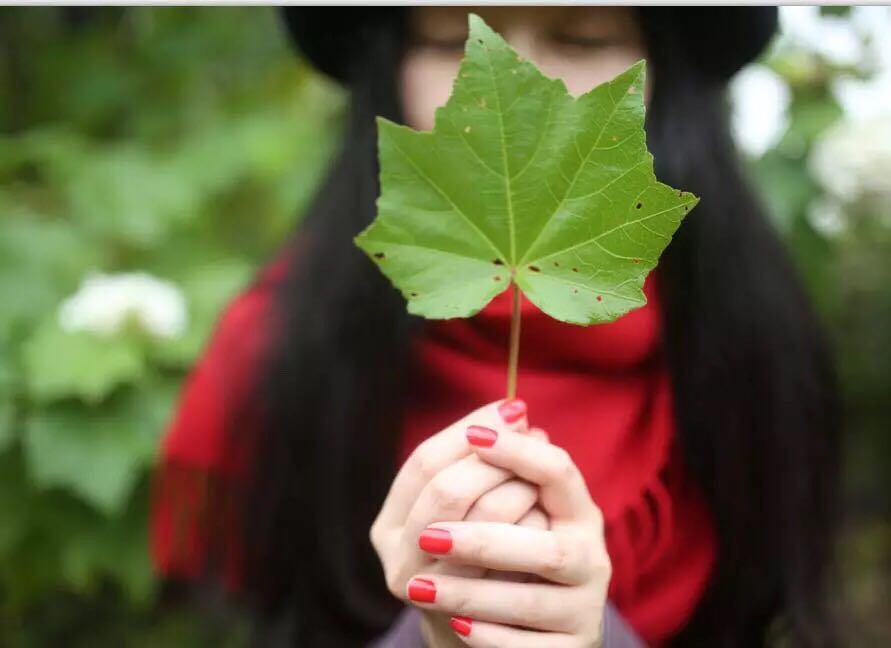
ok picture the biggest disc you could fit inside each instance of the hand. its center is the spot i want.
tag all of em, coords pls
(444, 480)
(564, 608)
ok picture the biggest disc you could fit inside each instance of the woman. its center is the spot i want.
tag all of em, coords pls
(682, 474)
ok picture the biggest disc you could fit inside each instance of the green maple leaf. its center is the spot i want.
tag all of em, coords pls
(520, 182)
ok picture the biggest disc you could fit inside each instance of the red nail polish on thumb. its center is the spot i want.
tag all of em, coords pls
(512, 410)
(481, 436)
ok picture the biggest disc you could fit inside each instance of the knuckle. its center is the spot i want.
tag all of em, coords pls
(597, 516)
(580, 612)
(505, 503)
(395, 585)
(425, 463)
(535, 519)
(595, 559)
(374, 536)
(599, 566)
(529, 608)
(447, 499)
(486, 509)
(561, 466)
(556, 559)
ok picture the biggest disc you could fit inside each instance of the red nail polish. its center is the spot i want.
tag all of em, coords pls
(421, 590)
(481, 436)
(513, 410)
(461, 625)
(437, 541)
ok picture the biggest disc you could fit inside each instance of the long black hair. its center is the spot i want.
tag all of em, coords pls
(754, 387)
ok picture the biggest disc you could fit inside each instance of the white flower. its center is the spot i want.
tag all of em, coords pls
(827, 217)
(759, 99)
(834, 38)
(874, 23)
(864, 99)
(852, 160)
(105, 303)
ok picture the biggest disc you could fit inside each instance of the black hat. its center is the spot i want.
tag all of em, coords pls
(719, 40)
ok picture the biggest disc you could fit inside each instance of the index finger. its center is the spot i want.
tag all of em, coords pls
(442, 450)
(562, 489)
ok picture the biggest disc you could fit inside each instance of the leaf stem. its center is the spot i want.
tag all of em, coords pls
(514, 353)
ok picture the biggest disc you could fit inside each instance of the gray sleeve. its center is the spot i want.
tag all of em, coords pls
(616, 631)
(406, 631)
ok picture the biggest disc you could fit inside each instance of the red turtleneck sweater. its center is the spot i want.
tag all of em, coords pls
(601, 392)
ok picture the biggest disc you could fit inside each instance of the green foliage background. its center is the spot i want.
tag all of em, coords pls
(183, 143)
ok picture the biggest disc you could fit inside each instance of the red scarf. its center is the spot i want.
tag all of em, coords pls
(601, 392)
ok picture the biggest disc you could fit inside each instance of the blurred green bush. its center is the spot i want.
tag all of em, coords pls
(183, 143)
(177, 142)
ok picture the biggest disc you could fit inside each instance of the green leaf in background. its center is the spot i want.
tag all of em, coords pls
(7, 405)
(519, 182)
(41, 259)
(49, 536)
(60, 365)
(182, 143)
(96, 453)
(7, 433)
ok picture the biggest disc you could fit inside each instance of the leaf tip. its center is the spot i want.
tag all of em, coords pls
(477, 27)
(637, 76)
(480, 33)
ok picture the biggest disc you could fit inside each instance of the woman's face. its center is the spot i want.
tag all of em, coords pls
(582, 45)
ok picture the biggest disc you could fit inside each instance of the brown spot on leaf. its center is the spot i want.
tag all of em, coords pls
(638, 205)
(575, 291)
(414, 294)
(497, 277)
(575, 269)
(535, 268)
(635, 260)
(599, 297)
(498, 262)
(556, 264)
(379, 255)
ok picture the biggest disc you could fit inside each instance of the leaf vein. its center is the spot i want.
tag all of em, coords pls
(578, 171)
(448, 198)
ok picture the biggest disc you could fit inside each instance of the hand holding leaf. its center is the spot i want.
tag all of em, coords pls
(521, 184)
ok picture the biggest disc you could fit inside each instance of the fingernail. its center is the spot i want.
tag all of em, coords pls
(421, 590)
(437, 541)
(512, 410)
(481, 436)
(461, 625)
